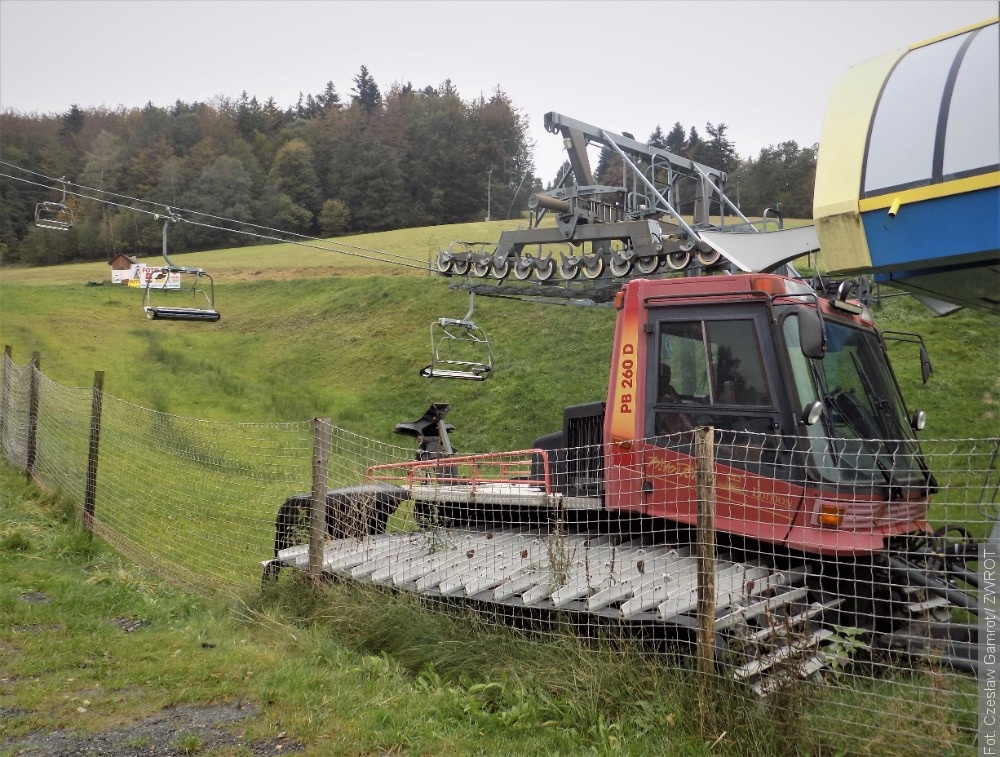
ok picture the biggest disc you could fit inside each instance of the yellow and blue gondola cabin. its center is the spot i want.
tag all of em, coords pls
(908, 173)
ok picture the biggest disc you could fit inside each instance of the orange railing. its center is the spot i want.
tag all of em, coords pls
(470, 470)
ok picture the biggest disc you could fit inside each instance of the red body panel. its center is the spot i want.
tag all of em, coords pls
(641, 477)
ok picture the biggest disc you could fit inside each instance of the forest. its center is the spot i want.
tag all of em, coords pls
(325, 166)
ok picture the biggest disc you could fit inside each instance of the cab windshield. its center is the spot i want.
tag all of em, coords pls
(863, 436)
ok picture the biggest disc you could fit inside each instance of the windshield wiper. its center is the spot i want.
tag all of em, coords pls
(833, 402)
(889, 420)
(886, 420)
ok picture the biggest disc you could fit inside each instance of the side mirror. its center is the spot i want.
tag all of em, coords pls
(905, 336)
(811, 340)
(919, 420)
(811, 413)
(926, 369)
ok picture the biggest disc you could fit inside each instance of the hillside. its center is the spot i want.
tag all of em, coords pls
(309, 333)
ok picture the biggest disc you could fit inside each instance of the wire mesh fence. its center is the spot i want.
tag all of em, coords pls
(846, 570)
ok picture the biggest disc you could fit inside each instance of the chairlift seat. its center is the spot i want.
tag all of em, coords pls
(473, 371)
(181, 314)
(171, 313)
(184, 269)
(51, 223)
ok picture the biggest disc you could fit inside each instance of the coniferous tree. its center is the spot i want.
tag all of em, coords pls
(657, 139)
(366, 94)
(328, 98)
(719, 150)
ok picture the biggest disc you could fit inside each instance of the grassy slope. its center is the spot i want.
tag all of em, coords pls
(344, 344)
(308, 334)
(345, 671)
(341, 338)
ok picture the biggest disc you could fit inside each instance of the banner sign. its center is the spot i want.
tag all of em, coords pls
(153, 277)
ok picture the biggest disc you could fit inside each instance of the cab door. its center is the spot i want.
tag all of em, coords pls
(717, 367)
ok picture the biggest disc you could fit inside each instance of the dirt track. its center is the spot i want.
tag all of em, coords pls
(173, 731)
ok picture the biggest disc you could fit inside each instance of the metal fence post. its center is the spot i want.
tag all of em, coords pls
(35, 366)
(320, 474)
(5, 400)
(705, 483)
(90, 492)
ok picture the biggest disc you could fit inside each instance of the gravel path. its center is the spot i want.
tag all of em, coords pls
(174, 731)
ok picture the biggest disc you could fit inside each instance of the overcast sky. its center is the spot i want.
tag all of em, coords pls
(763, 68)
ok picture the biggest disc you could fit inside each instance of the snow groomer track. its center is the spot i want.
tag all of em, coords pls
(763, 612)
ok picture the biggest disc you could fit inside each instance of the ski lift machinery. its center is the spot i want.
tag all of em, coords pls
(173, 313)
(55, 215)
(459, 349)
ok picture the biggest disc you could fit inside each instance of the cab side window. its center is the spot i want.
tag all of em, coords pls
(711, 363)
(711, 373)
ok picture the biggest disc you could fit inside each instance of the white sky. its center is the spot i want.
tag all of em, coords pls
(763, 68)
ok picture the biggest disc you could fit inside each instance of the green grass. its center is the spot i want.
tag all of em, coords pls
(339, 669)
(350, 347)
(343, 671)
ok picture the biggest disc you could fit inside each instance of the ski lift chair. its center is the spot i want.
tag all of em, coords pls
(459, 349)
(55, 215)
(174, 313)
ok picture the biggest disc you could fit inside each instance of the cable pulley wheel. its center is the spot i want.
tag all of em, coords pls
(545, 268)
(523, 267)
(678, 261)
(647, 264)
(592, 266)
(502, 269)
(708, 258)
(620, 267)
(569, 269)
(445, 262)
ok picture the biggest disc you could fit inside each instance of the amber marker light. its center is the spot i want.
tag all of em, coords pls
(831, 515)
(772, 286)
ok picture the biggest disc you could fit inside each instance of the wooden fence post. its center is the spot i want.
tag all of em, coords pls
(90, 491)
(705, 483)
(35, 366)
(320, 474)
(4, 400)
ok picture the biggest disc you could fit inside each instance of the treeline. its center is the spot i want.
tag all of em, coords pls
(780, 177)
(326, 166)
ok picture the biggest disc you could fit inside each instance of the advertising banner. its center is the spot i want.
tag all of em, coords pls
(153, 277)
